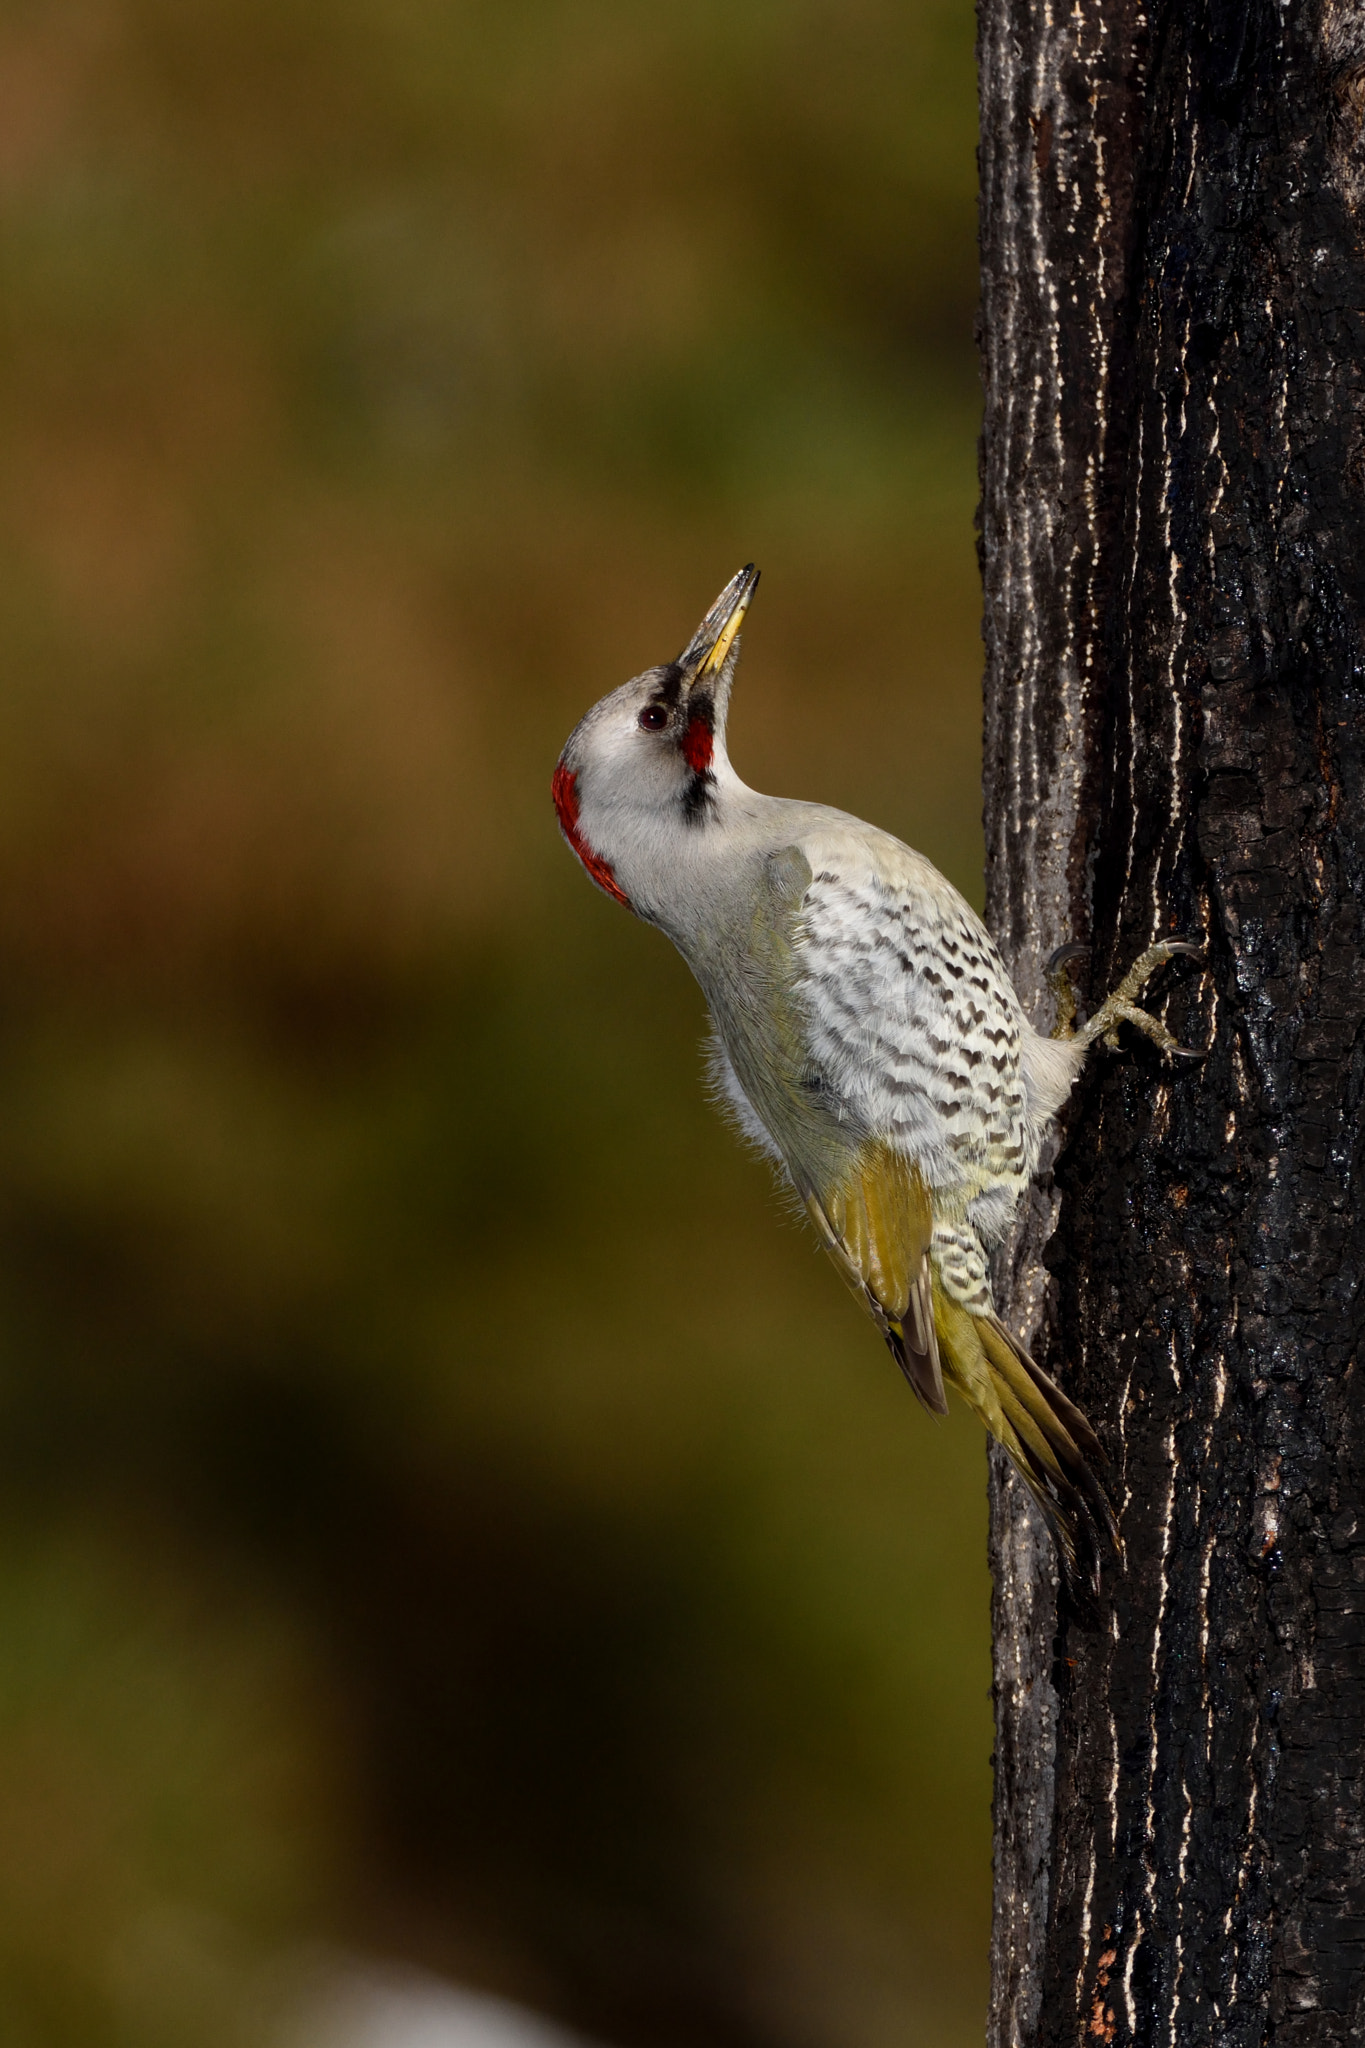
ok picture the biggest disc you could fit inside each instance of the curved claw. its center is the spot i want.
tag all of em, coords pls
(1064, 955)
(1190, 949)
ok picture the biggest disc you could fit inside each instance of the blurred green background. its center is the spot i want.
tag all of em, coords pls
(447, 1510)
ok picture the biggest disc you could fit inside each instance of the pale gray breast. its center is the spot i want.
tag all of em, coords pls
(912, 1020)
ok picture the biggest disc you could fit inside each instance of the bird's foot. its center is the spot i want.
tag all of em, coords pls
(1121, 1007)
(1058, 973)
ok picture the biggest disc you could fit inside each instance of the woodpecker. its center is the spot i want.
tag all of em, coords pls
(866, 1037)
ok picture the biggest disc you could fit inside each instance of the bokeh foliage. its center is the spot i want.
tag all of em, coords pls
(447, 1508)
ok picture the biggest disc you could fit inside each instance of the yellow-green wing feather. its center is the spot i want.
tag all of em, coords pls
(877, 1221)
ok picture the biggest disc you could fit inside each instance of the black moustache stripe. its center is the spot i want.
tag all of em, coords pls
(698, 798)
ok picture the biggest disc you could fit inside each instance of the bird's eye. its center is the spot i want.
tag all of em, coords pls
(653, 718)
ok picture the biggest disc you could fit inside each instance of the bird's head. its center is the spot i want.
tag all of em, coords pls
(648, 763)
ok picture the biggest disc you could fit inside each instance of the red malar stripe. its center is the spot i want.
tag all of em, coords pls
(564, 789)
(697, 746)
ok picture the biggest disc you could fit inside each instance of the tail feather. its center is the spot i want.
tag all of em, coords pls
(1051, 1445)
(1078, 1425)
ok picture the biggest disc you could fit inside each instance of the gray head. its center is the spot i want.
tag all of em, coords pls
(650, 759)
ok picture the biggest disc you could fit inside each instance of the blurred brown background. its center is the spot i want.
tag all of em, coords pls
(447, 1511)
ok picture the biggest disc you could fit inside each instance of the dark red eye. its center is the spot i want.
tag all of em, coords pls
(654, 718)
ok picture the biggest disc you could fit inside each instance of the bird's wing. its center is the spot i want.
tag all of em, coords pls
(910, 1036)
(877, 1221)
(911, 1021)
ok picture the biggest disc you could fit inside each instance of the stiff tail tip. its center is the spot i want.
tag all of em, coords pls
(1048, 1439)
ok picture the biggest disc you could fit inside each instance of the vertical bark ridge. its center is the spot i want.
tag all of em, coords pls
(1057, 87)
(1173, 551)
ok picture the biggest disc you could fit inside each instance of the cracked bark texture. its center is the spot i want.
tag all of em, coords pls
(1173, 553)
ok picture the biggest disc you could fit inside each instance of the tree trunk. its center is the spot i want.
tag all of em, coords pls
(1173, 546)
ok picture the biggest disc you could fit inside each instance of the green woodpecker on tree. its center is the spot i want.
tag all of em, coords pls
(866, 1037)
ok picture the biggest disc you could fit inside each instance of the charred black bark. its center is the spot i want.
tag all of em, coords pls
(1173, 545)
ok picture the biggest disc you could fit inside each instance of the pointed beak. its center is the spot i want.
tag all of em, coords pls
(705, 653)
